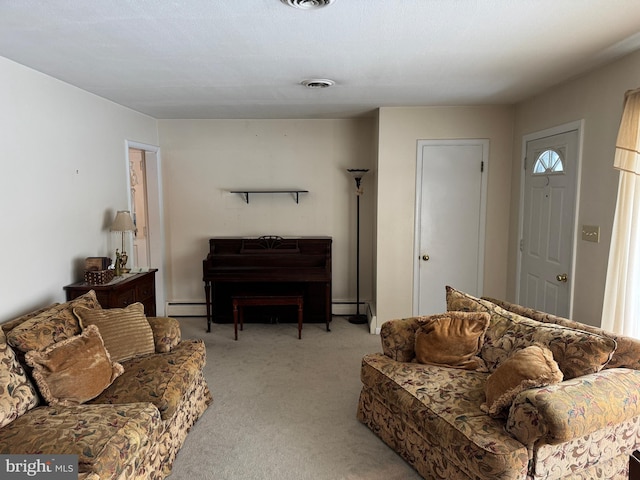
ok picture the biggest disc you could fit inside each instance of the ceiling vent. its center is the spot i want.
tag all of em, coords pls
(307, 4)
(318, 83)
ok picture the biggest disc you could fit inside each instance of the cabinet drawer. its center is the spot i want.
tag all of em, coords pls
(145, 290)
(124, 298)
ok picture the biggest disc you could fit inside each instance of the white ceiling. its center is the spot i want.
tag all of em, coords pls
(246, 58)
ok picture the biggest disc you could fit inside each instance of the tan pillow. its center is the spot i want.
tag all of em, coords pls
(452, 339)
(125, 331)
(530, 367)
(75, 370)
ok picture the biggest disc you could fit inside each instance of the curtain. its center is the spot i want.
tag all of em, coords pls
(621, 308)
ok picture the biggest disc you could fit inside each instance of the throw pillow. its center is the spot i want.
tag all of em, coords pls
(452, 339)
(74, 370)
(577, 352)
(530, 367)
(50, 326)
(125, 331)
(627, 354)
(17, 395)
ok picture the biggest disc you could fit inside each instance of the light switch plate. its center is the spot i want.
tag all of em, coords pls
(591, 233)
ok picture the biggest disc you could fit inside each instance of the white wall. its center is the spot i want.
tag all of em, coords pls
(64, 175)
(597, 98)
(204, 159)
(399, 131)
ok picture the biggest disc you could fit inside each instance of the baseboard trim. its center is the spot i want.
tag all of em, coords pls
(186, 309)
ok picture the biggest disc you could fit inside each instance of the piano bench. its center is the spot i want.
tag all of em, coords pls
(250, 300)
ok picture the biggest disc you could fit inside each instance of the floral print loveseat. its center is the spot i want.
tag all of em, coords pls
(140, 417)
(582, 427)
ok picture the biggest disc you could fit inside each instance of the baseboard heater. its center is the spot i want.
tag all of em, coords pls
(199, 309)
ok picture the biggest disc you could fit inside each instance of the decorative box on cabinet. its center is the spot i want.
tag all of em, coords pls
(122, 291)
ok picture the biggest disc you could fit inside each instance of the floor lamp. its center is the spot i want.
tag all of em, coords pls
(357, 174)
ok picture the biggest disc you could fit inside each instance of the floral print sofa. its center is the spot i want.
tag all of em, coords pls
(582, 427)
(135, 426)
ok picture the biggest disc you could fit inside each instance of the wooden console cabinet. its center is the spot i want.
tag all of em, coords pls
(122, 291)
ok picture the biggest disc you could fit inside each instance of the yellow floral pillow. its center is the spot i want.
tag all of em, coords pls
(17, 395)
(50, 326)
(577, 352)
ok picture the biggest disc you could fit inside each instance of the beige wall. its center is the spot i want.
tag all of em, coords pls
(204, 159)
(597, 99)
(68, 146)
(64, 175)
(399, 131)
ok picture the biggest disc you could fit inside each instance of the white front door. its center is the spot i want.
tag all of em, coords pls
(548, 223)
(450, 220)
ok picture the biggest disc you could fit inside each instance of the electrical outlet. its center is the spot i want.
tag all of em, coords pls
(591, 233)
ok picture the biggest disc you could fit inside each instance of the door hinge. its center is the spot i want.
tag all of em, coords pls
(521, 244)
(525, 164)
(482, 166)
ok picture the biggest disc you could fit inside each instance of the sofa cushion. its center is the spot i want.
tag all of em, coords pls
(74, 370)
(125, 331)
(442, 404)
(530, 367)
(107, 438)
(627, 354)
(166, 333)
(577, 352)
(453, 339)
(161, 379)
(398, 338)
(17, 395)
(13, 323)
(50, 326)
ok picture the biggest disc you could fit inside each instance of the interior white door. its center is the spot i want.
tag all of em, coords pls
(548, 223)
(450, 220)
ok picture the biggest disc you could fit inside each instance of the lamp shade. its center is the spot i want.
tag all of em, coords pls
(358, 173)
(123, 222)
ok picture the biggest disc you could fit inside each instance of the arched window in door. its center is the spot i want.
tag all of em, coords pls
(547, 162)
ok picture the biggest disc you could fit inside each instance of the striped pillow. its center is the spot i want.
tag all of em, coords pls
(125, 331)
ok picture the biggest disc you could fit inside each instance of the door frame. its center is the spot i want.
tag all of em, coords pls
(155, 214)
(484, 143)
(549, 132)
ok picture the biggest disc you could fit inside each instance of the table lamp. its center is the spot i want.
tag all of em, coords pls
(122, 223)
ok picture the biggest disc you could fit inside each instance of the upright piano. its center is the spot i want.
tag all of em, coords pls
(268, 265)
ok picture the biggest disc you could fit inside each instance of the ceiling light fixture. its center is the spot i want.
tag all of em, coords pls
(307, 4)
(318, 83)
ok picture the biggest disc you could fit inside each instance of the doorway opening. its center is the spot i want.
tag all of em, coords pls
(145, 202)
(138, 182)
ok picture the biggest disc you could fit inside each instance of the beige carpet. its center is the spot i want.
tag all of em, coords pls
(285, 408)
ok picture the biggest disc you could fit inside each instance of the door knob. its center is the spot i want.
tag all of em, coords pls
(561, 277)
(425, 257)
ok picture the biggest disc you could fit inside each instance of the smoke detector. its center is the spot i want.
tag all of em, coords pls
(318, 83)
(307, 4)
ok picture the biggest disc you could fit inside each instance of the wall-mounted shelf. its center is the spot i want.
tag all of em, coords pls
(295, 192)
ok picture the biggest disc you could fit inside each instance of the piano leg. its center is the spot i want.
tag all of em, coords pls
(300, 316)
(235, 319)
(207, 294)
(328, 305)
